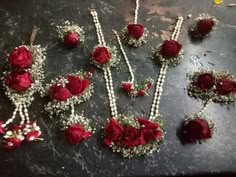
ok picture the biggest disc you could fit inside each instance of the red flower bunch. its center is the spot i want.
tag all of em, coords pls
(205, 26)
(75, 86)
(135, 30)
(20, 79)
(131, 136)
(196, 129)
(75, 133)
(136, 91)
(101, 55)
(71, 39)
(170, 48)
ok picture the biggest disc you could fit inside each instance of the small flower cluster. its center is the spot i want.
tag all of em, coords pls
(76, 127)
(135, 35)
(169, 53)
(197, 128)
(133, 137)
(138, 90)
(13, 138)
(218, 86)
(27, 75)
(203, 27)
(71, 34)
(104, 56)
(75, 88)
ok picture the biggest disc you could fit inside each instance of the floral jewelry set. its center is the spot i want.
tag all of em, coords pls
(128, 135)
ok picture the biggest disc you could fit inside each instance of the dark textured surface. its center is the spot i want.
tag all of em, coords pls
(54, 156)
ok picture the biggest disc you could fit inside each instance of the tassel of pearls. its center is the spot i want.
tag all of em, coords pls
(136, 12)
(160, 81)
(125, 57)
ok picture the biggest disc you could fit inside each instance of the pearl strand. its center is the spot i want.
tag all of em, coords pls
(26, 113)
(204, 107)
(97, 24)
(72, 110)
(12, 118)
(176, 32)
(125, 56)
(21, 115)
(136, 12)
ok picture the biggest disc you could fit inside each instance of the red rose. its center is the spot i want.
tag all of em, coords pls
(32, 135)
(146, 123)
(20, 57)
(74, 133)
(20, 80)
(12, 143)
(71, 39)
(205, 81)
(2, 129)
(101, 55)
(149, 85)
(113, 131)
(205, 26)
(170, 48)
(147, 134)
(76, 85)
(197, 129)
(60, 93)
(135, 30)
(226, 86)
(140, 93)
(127, 87)
(130, 137)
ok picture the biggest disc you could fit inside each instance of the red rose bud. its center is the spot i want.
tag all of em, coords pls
(146, 123)
(205, 81)
(20, 58)
(33, 135)
(226, 86)
(149, 85)
(113, 131)
(101, 55)
(12, 143)
(140, 93)
(74, 84)
(127, 87)
(130, 136)
(20, 80)
(74, 133)
(148, 134)
(60, 93)
(71, 39)
(170, 48)
(2, 129)
(197, 129)
(205, 26)
(135, 30)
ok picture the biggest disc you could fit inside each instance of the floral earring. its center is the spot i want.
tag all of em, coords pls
(135, 34)
(71, 34)
(203, 26)
(65, 93)
(21, 82)
(209, 86)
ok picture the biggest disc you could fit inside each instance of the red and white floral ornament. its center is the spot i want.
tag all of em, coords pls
(220, 87)
(65, 93)
(71, 34)
(24, 79)
(197, 128)
(204, 25)
(135, 34)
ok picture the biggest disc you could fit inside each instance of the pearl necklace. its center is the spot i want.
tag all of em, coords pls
(136, 12)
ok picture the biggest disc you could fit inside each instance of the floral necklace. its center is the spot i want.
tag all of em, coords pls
(128, 135)
(135, 34)
(24, 79)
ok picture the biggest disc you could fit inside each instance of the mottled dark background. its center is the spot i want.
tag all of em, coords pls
(55, 156)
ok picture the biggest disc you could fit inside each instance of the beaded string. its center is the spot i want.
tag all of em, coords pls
(136, 12)
(125, 56)
(160, 81)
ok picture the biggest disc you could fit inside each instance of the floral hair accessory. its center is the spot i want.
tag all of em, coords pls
(203, 26)
(21, 82)
(133, 88)
(135, 34)
(71, 34)
(65, 93)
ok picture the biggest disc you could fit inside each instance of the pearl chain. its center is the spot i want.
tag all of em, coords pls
(176, 32)
(204, 107)
(97, 24)
(136, 12)
(125, 56)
